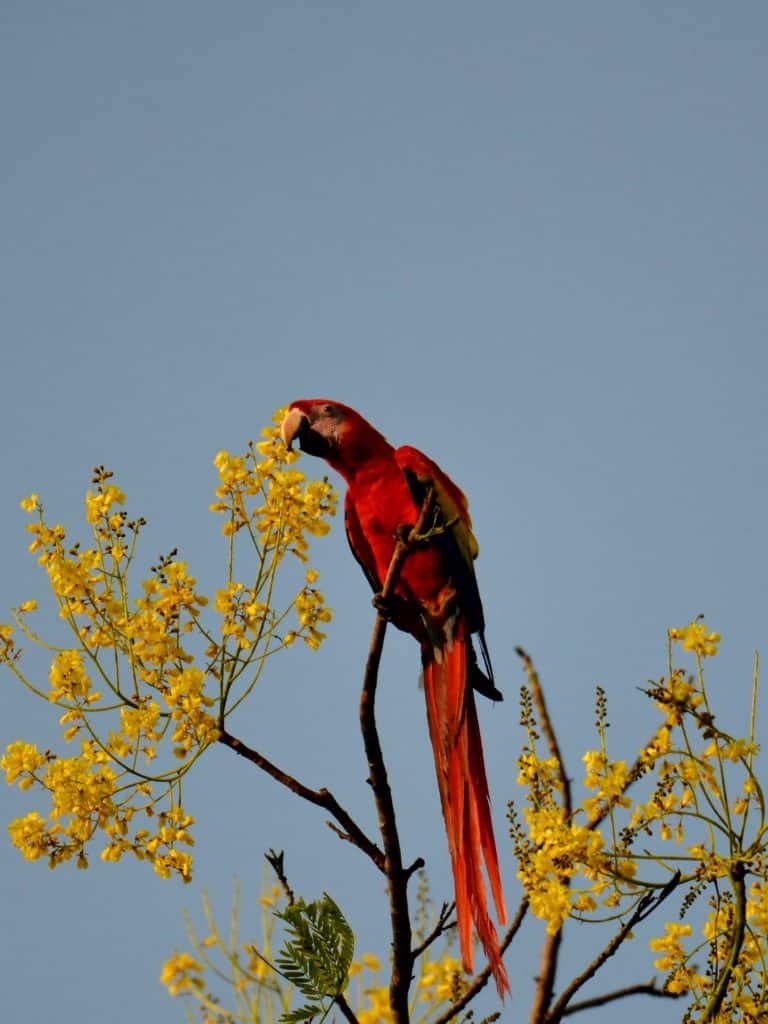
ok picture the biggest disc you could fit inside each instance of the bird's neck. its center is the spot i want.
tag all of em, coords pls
(360, 456)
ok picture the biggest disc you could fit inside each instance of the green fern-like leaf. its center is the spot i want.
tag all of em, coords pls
(304, 1013)
(316, 955)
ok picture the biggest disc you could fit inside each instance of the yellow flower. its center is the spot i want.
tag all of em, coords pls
(97, 505)
(694, 637)
(181, 974)
(69, 680)
(20, 758)
(670, 946)
(29, 504)
(30, 836)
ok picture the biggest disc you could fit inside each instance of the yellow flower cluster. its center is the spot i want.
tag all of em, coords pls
(182, 974)
(554, 851)
(694, 637)
(166, 677)
(287, 508)
(609, 779)
(746, 998)
(442, 981)
(688, 770)
(84, 793)
(310, 611)
(681, 977)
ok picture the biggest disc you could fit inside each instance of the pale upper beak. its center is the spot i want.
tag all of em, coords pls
(291, 426)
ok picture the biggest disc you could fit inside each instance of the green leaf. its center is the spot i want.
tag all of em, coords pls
(316, 955)
(306, 1012)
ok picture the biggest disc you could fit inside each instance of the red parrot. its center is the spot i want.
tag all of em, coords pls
(438, 602)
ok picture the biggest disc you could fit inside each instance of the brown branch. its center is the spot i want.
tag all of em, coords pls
(483, 977)
(648, 989)
(546, 724)
(319, 797)
(346, 1009)
(397, 875)
(443, 924)
(550, 951)
(647, 905)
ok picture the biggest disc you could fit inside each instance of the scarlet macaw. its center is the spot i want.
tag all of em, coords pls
(438, 602)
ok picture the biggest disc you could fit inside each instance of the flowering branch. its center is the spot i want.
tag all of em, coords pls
(545, 982)
(647, 906)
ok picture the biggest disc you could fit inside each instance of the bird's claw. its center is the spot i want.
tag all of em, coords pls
(385, 606)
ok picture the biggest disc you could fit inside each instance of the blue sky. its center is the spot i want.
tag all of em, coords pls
(528, 239)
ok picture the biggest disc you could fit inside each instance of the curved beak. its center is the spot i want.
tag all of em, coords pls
(292, 425)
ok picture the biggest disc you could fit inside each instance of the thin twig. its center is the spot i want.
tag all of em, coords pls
(442, 926)
(319, 797)
(647, 905)
(546, 724)
(277, 862)
(397, 876)
(650, 988)
(550, 951)
(483, 977)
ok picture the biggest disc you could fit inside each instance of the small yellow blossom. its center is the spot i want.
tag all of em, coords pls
(694, 637)
(181, 974)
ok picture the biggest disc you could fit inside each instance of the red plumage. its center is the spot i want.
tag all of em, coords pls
(438, 602)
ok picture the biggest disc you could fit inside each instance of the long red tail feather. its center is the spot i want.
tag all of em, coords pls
(463, 785)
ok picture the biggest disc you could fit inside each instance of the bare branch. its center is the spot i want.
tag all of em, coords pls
(417, 865)
(443, 925)
(346, 1009)
(483, 977)
(319, 797)
(650, 988)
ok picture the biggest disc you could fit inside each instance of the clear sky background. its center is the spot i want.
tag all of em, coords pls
(528, 239)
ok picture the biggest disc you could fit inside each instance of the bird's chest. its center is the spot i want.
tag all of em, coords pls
(381, 507)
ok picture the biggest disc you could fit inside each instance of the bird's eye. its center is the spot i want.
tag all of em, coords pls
(328, 409)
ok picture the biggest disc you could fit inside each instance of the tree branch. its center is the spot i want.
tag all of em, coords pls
(550, 951)
(483, 977)
(397, 876)
(648, 989)
(346, 1009)
(647, 905)
(443, 924)
(319, 797)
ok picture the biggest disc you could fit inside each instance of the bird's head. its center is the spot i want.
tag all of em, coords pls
(333, 432)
